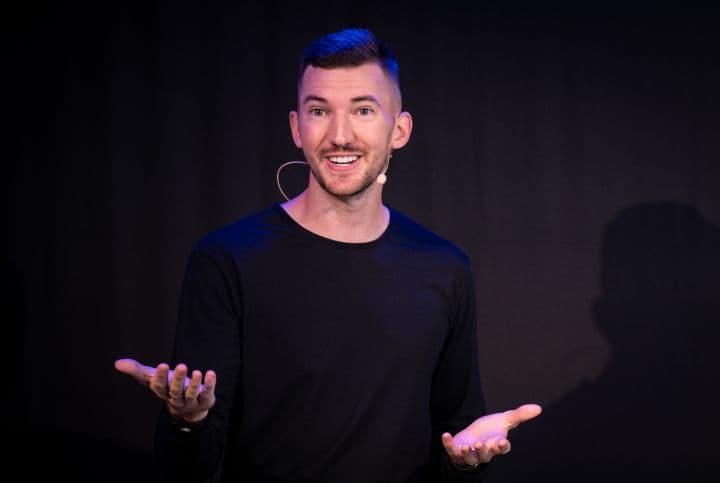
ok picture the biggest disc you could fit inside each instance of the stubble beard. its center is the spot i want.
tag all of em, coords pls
(366, 182)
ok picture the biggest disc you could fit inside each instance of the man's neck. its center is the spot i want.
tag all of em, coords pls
(357, 220)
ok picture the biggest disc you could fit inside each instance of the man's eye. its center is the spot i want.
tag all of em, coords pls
(364, 111)
(317, 111)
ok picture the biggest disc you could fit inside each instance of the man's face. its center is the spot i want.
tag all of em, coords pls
(347, 123)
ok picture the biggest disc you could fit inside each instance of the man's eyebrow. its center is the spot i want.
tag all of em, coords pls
(354, 100)
(365, 99)
(314, 98)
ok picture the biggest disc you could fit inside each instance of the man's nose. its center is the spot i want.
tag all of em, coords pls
(340, 131)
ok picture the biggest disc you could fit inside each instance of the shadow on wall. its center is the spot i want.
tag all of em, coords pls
(650, 415)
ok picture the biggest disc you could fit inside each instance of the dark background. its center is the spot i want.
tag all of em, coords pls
(571, 150)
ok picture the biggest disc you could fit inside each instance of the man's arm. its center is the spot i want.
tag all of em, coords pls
(472, 447)
(208, 336)
(457, 398)
(192, 426)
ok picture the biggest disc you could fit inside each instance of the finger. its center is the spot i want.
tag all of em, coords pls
(133, 368)
(207, 392)
(489, 449)
(158, 383)
(491, 445)
(521, 414)
(193, 388)
(177, 381)
(484, 452)
(469, 456)
(504, 446)
(447, 441)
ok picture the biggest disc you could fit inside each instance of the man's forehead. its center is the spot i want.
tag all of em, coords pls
(365, 79)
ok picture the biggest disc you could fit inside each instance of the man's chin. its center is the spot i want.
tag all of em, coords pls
(348, 191)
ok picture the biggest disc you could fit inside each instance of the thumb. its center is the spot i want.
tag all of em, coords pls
(133, 368)
(521, 414)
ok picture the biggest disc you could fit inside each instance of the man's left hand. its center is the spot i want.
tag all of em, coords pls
(486, 436)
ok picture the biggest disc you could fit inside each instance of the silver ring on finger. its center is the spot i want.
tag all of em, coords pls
(474, 452)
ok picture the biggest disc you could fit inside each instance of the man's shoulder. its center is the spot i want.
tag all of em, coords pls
(418, 236)
(246, 231)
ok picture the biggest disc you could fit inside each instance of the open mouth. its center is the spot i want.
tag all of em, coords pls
(343, 160)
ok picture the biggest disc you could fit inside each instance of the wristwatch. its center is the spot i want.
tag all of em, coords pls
(467, 468)
(184, 426)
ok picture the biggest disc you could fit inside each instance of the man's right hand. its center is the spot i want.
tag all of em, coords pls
(188, 399)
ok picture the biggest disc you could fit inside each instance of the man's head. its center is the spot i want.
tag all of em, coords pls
(349, 116)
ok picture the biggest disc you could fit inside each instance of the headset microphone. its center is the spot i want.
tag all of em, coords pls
(382, 177)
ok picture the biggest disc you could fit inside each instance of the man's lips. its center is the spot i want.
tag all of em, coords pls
(341, 161)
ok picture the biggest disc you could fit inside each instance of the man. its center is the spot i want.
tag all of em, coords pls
(336, 335)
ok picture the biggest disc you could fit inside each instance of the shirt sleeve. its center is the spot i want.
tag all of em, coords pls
(457, 397)
(208, 336)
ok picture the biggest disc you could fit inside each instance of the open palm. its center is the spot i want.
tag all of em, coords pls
(487, 435)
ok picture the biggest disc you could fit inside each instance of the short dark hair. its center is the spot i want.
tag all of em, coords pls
(349, 47)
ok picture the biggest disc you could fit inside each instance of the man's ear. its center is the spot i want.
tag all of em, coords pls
(402, 130)
(294, 130)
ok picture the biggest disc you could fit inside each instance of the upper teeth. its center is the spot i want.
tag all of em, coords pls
(343, 159)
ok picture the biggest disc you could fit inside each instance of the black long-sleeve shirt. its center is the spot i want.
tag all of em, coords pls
(336, 362)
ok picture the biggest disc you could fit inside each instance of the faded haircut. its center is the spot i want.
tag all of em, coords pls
(347, 48)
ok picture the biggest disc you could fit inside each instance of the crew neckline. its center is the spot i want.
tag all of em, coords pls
(301, 229)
